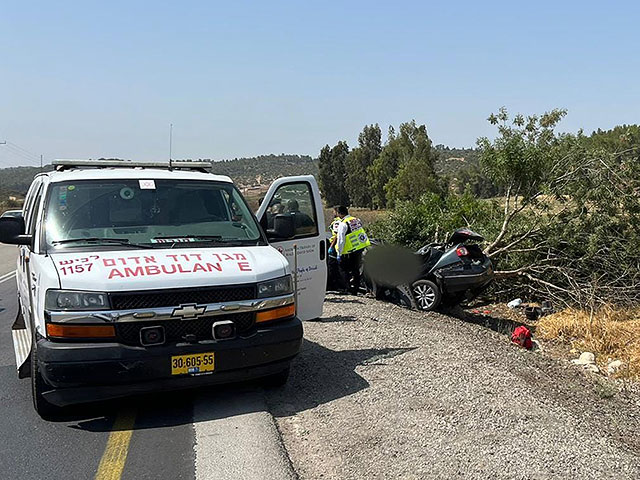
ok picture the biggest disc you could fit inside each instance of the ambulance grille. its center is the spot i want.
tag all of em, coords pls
(176, 330)
(177, 297)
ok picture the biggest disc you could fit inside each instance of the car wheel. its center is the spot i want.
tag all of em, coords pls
(277, 379)
(45, 409)
(426, 294)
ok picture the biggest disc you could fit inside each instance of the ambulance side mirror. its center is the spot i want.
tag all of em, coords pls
(12, 231)
(283, 227)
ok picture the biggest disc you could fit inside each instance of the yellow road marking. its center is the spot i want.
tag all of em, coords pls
(115, 453)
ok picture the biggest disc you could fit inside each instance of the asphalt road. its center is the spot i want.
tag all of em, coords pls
(214, 433)
(8, 256)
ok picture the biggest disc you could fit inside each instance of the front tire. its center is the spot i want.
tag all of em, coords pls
(426, 294)
(45, 409)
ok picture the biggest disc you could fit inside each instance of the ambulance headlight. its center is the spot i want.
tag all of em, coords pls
(75, 300)
(275, 288)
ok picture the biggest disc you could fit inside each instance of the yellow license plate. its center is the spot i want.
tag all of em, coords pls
(193, 364)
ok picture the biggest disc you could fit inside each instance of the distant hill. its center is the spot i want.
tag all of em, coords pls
(453, 160)
(253, 171)
(260, 170)
(17, 179)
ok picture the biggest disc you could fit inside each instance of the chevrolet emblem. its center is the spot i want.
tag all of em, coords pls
(188, 311)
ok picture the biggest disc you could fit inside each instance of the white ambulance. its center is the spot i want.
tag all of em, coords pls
(138, 277)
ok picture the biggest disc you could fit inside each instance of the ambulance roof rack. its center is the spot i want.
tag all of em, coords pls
(67, 164)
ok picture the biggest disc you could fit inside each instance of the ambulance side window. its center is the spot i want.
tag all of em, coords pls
(30, 212)
(33, 216)
(28, 201)
(295, 199)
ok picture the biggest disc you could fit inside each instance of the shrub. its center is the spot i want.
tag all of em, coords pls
(433, 218)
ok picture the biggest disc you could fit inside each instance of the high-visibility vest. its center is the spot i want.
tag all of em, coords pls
(334, 228)
(357, 239)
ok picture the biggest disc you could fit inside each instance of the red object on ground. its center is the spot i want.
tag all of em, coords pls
(522, 337)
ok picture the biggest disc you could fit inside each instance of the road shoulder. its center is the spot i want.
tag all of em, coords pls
(236, 437)
(379, 391)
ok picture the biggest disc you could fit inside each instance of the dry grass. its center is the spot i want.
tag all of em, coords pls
(367, 215)
(610, 333)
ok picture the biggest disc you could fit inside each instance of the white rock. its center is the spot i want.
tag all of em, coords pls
(515, 303)
(586, 358)
(591, 367)
(614, 366)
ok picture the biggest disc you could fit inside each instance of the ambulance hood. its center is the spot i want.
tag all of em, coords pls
(130, 269)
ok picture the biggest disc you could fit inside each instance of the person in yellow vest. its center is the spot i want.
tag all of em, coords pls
(334, 275)
(333, 228)
(350, 242)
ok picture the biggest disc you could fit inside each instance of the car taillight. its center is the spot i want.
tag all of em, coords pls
(462, 251)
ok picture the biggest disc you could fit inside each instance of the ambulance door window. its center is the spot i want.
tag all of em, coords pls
(295, 199)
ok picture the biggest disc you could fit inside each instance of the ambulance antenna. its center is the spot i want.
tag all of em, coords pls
(170, 142)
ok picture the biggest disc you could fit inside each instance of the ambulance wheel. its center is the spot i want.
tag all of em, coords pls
(277, 379)
(426, 294)
(45, 409)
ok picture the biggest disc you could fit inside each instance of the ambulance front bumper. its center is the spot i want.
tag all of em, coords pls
(85, 372)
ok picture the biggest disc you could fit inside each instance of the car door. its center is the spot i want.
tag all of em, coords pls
(306, 250)
(29, 214)
(21, 331)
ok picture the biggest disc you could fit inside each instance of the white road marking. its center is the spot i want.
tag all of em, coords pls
(8, 274)
(7, 277)
(236, 438)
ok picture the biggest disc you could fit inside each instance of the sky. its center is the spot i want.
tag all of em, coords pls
(237, 79)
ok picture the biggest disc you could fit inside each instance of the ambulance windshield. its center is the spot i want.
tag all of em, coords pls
(148, 214)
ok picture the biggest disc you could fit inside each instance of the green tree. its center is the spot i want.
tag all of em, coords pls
(405, 168)
(325, 175)
(339, 155)
(383, 169)
(332, 173)
(358, 163)
(522, 161)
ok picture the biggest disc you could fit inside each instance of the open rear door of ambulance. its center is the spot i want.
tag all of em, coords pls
(299, 197)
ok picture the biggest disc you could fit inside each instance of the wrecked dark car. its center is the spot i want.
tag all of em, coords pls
(439, 274)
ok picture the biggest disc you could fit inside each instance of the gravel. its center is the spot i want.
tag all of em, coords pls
(384, 392)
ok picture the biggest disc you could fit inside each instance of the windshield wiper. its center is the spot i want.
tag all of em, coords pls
(210, 239)
(115, 241)
(195, 237)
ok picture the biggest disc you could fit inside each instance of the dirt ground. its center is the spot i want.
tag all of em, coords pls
(383, 392)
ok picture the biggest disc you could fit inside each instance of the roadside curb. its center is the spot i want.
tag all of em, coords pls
(237, 437)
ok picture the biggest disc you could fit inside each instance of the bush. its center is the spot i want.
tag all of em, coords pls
(434, 217)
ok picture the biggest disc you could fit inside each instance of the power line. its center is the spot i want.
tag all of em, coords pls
(18, 151)
(21, 148)
(20, 154)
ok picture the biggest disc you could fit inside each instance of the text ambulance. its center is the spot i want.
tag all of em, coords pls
(141, 277)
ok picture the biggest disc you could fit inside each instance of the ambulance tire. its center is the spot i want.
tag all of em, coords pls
(277, 379)
(45, 409)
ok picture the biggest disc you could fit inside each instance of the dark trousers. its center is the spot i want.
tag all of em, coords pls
(350, 270)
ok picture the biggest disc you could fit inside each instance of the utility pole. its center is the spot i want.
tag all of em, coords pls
(40, 162)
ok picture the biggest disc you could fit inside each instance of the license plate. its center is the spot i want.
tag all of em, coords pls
(193, 364)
